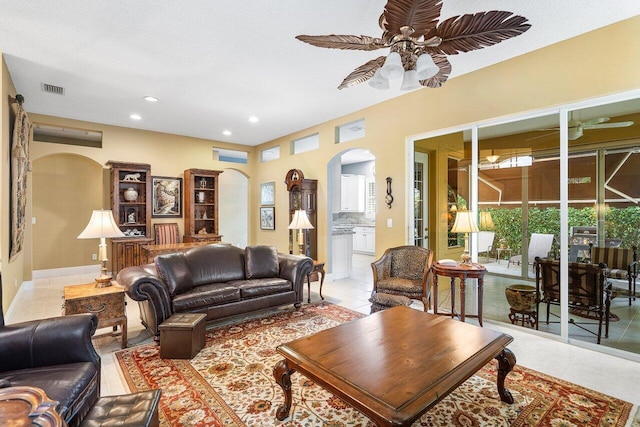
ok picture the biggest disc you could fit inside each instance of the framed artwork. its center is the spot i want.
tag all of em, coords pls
(268, 193)
(166, 197)
(268, 218)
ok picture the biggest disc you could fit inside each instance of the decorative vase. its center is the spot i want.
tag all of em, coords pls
(521, 298)
(201, 197)
(130, 195)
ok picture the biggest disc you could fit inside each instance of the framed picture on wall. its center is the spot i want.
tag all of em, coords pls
(268, 218)
(268, 193)
(166, 197)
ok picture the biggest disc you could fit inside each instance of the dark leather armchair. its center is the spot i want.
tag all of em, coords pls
(404, 270)
(56, 355)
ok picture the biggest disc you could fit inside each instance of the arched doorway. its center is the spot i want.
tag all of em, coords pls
(351, 212)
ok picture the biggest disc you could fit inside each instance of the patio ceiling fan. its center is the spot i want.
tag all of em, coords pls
(577, 127)
(419, 44)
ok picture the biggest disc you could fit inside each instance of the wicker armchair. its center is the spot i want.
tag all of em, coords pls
(404, 270)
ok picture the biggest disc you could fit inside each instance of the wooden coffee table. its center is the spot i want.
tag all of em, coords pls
(394, 365)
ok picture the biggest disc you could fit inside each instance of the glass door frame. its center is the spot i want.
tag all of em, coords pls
(563, 112)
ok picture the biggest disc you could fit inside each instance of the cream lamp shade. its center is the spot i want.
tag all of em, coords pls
(465, 223)
(100, 226)
(300, 222)
(486, 221)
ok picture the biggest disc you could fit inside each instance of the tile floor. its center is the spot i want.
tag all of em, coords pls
(616, 376)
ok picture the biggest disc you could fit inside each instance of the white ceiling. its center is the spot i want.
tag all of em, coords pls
(213, 64)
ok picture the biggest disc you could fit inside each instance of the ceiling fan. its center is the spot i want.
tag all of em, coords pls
(419, 44)
(577, 127)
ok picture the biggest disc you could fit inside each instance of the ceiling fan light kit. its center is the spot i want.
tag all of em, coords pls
(419, 44)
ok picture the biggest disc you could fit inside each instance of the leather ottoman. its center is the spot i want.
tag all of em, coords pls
(182, 336)
(129, 410)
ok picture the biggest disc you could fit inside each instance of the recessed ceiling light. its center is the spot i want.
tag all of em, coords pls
(136, 116)
(253, 119)
(151, 98)
(226, 132)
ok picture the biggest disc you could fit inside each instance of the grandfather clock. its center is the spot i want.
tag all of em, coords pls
(303, 195)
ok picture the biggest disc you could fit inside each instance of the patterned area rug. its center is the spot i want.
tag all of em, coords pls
(230, 383)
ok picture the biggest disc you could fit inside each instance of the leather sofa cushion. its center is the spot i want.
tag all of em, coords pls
(205, 296)
(261, 287)
(70, 384)
(215, 264)
(174, 271)
(261, 262)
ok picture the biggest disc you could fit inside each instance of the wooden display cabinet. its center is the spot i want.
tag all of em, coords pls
(132, 214)
(303, 195)
(201, 205)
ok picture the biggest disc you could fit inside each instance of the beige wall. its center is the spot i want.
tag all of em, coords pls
(591, 65)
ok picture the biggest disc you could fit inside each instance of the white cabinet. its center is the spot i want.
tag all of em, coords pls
(352, 193)
(364, 240)
(342, 248)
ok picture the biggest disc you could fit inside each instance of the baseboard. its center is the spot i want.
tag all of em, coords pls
(8, 315)
(67, 271)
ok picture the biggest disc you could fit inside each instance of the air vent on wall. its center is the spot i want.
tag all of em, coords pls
(49, 88)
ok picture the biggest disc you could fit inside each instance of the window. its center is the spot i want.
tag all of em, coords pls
(308, 143)
(233, 156)
(269, 154)
(350, 131)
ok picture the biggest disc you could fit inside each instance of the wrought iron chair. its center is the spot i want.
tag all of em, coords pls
(589, 293)
(404, 270)
(166, 233)
(620, 263)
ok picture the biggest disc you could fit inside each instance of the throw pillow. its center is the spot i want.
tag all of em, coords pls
(174, 271)
(261, 262)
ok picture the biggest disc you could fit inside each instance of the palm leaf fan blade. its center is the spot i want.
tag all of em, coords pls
(362, 73)
(421, 15)
(346, 42)
(475, 31)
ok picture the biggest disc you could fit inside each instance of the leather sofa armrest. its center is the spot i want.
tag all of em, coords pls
(47, 342)
(295, 268)
(142, 283)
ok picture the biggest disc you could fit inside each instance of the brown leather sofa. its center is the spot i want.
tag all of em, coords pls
(217, 280)
(56, 355)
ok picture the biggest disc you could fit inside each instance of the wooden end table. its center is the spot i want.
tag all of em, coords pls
(28, 406)
(107, 303)
(318, 268)
(393, 377)
(461, 272)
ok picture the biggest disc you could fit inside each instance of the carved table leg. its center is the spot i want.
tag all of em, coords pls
(282, 374)
(506, 361)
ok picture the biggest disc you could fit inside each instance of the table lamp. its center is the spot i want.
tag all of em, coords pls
(301, 222)
(486, 221)
(102, 225)
(465, 223)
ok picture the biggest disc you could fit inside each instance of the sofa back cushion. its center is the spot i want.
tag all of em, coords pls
(174, 271)
(261, 262)
(215, 264)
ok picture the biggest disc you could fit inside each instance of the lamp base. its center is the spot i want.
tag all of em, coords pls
(103, 281)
